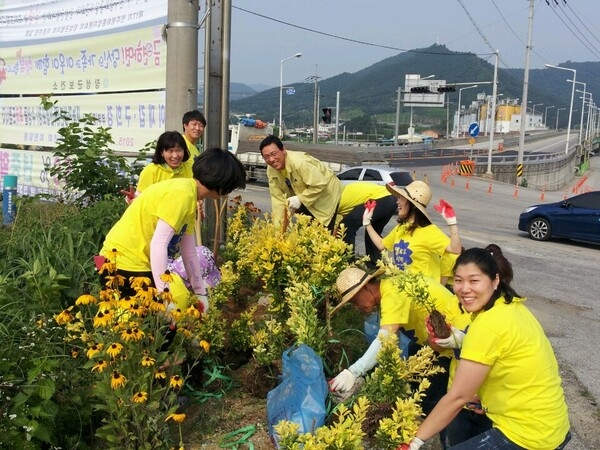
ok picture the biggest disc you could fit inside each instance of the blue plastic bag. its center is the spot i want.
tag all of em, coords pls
(300, 397)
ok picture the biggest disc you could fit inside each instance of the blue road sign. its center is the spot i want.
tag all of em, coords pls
(474, 129)
(290, 91)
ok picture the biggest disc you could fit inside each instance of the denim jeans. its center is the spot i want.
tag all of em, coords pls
(494, 439)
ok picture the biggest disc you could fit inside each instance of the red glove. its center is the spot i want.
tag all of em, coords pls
(368, 214)
(447, 212)
(129, 195)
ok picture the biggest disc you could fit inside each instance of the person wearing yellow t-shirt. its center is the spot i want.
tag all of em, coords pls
(167, 162)
(416, 243)
(399, 314)
(159, 224)
(352, 209)
(507, 360)
(194, 124)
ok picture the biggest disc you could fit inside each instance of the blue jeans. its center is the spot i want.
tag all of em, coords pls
(494, 439)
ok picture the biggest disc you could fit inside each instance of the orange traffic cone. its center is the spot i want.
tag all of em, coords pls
(516, 194)
(490, 187)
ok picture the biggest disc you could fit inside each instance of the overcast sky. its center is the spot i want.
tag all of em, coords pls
(361, 33)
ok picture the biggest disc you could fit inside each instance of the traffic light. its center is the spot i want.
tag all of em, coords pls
(420, 90)
(326, 116)
(442, 89)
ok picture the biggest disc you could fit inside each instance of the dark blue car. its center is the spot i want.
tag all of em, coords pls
(576, 218)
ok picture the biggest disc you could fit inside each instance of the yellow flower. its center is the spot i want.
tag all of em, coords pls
(205, 345)
(139, 282)
(157, 305)
(117, 380)
(85, 299)
(127, 335)
(176, 417)
(106, 294)
(64, 317)
(115, 281)
(167, 277)
(140, 397)
(147, 361)
(74, 353)
(139, 334)
(176, 381)
(126, 303)
(108, 267)
(114, 349)
(103, 318)
(160, 375)
(100, 366)
(96, 348)
(137, 310)
(193, 312)
(113, 254)
(167, 296)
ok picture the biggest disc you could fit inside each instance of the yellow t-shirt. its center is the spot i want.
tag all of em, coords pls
(398, 308)
(355, 194)
(522, 394)
(420, 251)
(173, 201)
(194, 153)
(153, 173)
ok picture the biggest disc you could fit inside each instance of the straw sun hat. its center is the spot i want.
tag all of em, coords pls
(417, 192)
(350, 281)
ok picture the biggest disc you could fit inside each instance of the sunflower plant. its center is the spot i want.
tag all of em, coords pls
(133, 347)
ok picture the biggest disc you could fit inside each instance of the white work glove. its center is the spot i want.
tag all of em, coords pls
(368, 214)
(201, 303)
(453, 341)
(447, 212)
(415, 444)
(343, 382)
(294, 203)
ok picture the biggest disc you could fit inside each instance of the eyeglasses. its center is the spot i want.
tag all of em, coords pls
(271, 155)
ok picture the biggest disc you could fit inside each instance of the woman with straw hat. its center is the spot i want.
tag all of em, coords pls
(416, 243)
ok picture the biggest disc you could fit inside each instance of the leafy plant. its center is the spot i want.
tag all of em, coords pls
(85, 165)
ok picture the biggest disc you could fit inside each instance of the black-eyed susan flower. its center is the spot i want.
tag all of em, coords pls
(140, 397)
(193, 312)
(106, 294)
(176, 417)
(140, 282)
(126, 303)
(113, 254)
(176, 381)
(160, 375)
(74, 353)
(147, 361)
(138, 310)
(115, 281)
(157, 305)
(167, 277)
(204, 345)
(127, 335)
(103, 318)
(100, 366)
(167, 296)
(138, 334)
(64, 317)
(114, 349)
(117, 380)
(85, 299)
(94, 349)
(108, 267)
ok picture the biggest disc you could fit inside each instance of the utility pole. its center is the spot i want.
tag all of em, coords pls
(217, 46)
(337, 115)
(181, 34)
(397, 129)
(316, 112)
(524, 97)
(493, 115)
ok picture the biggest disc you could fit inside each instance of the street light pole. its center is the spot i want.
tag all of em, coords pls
(397, 129)
(582, 103)
(297, 55)
(533, 114)
(546, 115)
(458, 131)
(570, 107)
(557, 113)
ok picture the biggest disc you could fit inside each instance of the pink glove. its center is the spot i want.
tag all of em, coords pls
(447, 212)
(368, 214)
